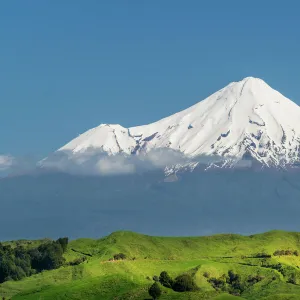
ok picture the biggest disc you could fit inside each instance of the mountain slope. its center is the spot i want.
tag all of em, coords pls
(246, 117)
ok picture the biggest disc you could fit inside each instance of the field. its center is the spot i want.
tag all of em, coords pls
(202, 257)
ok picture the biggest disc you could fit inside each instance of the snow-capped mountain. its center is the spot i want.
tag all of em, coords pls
(244, 118)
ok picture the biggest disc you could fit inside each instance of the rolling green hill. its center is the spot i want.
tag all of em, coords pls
(204, 258)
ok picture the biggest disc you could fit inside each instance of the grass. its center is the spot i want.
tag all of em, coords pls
(97, 278)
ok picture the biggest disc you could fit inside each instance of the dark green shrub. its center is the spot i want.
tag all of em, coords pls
(184, 283)
(155, 291)
(254, 279)
(262, 255)
(77, 261)
(236, 286)
(292, 279)
(278, 253)
(286, 252)
(232, 283)
(206, 275)
(155, 278)
(232, 277)
(165, 279)
(63, 242)
(119, 256)
(218, 283)
(277, 267)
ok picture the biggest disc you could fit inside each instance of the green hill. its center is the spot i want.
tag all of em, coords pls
(262, 275)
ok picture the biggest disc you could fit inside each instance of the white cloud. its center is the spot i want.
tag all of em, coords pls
(115, 165)
(6, 162)
(16, 165)
(95, 162)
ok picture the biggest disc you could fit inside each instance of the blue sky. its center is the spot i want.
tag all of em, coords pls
(67, 66)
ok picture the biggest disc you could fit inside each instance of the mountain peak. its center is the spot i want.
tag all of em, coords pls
(252, 83)
(252, 90)
(251, 78)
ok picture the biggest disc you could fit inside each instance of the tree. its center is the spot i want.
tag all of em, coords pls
(165, 279)
(184, 283)
(155, 291)
(237, 287)
(64, 243)
(47, 257)
(232, 276)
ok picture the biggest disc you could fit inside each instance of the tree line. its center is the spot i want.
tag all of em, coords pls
(19, 262)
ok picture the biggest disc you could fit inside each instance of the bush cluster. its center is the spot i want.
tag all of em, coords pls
(232, 283)
(262, 255)
(277, 267)
(286, 252)
(119, 256)
(77, 261)
(182, 283)
(19, 262)
(166, 280)
(254, 279)
(219, 283)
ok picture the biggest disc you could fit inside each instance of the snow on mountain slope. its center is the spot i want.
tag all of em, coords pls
(244, 118)
(109, 138)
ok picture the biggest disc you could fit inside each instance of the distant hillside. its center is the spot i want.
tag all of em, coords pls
(140, 245)
(199, 203)
(267, 266)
